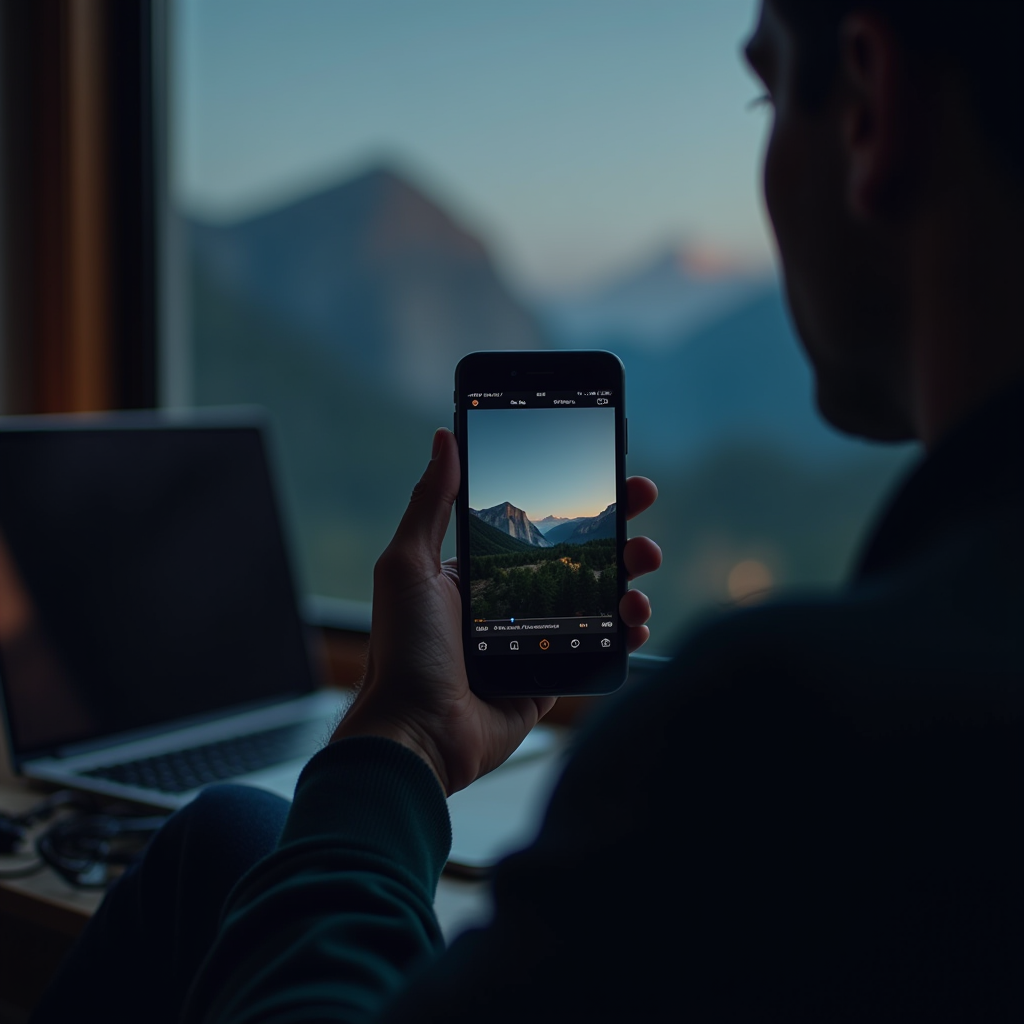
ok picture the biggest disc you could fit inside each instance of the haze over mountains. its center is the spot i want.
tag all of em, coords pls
(711, 356)
(378, 274)
(513, 522)
(345, 312)
(393, 290)
(675, 293)
(599, 527)
(548, 523)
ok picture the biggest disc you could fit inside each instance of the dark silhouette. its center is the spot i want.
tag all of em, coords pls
(815, 813)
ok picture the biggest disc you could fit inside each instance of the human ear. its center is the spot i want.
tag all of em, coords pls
(875, 118)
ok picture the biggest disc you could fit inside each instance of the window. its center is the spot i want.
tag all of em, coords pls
(369, 190)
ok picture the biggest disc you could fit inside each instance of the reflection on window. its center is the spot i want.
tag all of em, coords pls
(558, 174)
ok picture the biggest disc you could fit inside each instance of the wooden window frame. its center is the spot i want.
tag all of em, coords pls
(80, 204)
(90, 314)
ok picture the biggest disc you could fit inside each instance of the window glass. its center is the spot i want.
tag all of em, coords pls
(368, 190)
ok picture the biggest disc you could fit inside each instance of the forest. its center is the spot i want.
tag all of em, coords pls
(563, 581)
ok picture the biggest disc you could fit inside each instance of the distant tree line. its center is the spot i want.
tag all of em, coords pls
(566, 580)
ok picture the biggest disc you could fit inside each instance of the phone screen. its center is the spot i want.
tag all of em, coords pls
(542, 522)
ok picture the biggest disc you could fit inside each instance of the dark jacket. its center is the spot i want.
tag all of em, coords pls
(814, 814)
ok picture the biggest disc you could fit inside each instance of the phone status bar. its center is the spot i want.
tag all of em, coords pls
(587, 399)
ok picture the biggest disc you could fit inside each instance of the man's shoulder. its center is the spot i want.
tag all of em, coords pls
(817, 636)
(928, 649)
(835, 698)
(948, 620)
(876, 659)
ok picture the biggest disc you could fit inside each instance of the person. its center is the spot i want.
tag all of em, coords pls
(815, 812)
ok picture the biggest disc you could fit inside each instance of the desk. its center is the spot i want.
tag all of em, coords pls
(40, 917)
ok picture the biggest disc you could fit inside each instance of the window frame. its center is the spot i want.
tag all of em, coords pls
(80, 203)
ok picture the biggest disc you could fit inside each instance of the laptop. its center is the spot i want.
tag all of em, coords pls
(150, 638)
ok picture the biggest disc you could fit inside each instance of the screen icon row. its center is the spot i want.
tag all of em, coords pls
(543, 644)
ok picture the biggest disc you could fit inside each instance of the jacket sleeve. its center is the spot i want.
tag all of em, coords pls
(689, 863)
(686, 869)
(768, 831)
(329, 926)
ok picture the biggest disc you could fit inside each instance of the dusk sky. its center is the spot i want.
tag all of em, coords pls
(575, 137)
(557, 462)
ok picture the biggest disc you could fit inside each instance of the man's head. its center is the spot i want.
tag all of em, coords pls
(892, 118)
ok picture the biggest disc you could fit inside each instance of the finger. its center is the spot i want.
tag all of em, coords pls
(641, 494)
(641, 555)
(636, 637)
(426, 519)
(525, 712)
(634, 608)
(544, 705)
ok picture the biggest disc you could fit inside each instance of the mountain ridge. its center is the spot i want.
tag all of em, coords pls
(485, 539)
(549, 523)
(599, 527)
(673, 293)
(378, 273)
(509, 519)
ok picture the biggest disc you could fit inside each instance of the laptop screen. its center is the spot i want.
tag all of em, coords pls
(143, 578)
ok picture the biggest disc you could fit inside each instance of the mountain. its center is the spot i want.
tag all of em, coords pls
(711, 361)
(327, 428)
(721, 413)
(599, 527)
(549, 523)
(677, 292)
(563, 532)
(378, 274)
(487, 540)
(512, 521)
(740, 378)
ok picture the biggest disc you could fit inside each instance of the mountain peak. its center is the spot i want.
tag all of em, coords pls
(381, 206)
(509, 519)
(374, 271)
(657, 302)
(381, 175)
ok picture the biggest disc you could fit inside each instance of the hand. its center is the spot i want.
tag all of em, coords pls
(415, 690)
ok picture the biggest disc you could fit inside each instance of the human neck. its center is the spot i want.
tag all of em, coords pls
(967, 324)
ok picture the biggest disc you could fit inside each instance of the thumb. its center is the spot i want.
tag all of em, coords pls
(430, 507)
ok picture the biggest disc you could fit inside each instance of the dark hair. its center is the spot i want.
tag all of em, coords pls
(983, 38)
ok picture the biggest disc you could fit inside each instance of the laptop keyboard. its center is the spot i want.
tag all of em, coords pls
(181, 770)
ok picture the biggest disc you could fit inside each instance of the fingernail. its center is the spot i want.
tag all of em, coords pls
(437, 443)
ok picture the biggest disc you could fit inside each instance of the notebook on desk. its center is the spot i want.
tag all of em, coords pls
(150, 639)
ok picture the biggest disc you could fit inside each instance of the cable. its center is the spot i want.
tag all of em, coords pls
(81, 847)
(12, 833)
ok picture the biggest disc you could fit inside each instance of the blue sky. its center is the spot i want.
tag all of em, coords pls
(577, 137)
(548, 462)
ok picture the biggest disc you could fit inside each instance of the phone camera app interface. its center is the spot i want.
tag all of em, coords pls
(542, 522)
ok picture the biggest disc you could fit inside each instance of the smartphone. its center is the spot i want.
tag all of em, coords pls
(541, 521)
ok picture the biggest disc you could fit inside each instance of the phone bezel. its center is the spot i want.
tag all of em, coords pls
(553, 674)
